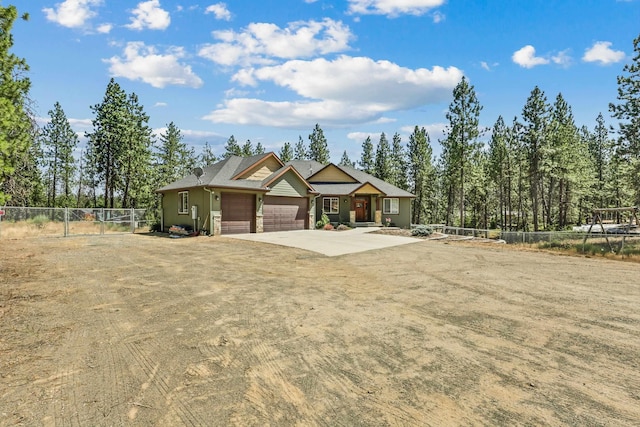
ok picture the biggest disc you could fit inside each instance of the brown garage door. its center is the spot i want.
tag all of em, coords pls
(238, 213)
(284, 213)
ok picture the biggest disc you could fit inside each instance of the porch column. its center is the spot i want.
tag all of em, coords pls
(378, 210)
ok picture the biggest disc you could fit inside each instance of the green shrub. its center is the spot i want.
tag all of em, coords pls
(324, 220)
(421, 231)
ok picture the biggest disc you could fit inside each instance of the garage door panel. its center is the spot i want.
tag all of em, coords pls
(284, 213)
(238, 213)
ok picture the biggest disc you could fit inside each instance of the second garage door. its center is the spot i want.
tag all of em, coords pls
(238, 213)
(285, 213)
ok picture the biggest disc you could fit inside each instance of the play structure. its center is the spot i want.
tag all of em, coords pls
(611, 223)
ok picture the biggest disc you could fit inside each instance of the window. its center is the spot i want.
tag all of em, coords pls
(391, 206)
(331, 205)
(183, 202)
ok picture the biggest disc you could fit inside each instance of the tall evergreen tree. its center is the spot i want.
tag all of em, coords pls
(259, 148)
(318, 149)
(367, 162)
(247, 149)
(398, 163)
(382, 169)
(174, 159)
(422, 174)
(536, 121)
(232, 148)
(627, 112)
(500, 169)
(207, 156)
(109, 132)
(286, 153)
(16, 126)
(601, 150)
(301, 152)
(135, 158)
(59, 141)
(461, 146)
(346, 161)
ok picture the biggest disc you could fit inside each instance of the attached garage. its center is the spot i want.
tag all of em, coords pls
(285, 213)
(238, 213)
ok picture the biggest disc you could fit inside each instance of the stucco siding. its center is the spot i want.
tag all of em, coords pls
(403, 218)
(170, 202)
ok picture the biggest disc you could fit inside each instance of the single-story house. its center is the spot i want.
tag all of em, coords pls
(260, 194)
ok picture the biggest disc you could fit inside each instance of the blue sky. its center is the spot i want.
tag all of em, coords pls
(269, 71)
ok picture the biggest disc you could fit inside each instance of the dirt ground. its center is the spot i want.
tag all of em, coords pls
(141, 330)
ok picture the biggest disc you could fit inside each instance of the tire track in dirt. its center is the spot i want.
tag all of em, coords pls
(269, 385)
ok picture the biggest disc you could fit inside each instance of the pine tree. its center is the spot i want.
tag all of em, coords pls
(174, 158)
(500, 169)
(346, 161)
(382, 168)
(627, 111)
(259, 148)
(398, 164)
(367, 162)
(207, 157)
(109, 129)
(301, 152)
(318, 149)
(135, 157)
(59, 141)
(232, 148)
(16, 125)
(461, 143)
(247, 149)
(422, 174)
(286, 153)
(536, 116)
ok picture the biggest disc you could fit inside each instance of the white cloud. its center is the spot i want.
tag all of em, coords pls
(160, 104)
(260, 43)
(438, 17)
(104, 28)
(562, 58)
(602, 53)
(393, 7)
(345, 90)
(142, 62)
(220, 11)
(485, 66)
(72, 13)
(149, 14)
(526, 57)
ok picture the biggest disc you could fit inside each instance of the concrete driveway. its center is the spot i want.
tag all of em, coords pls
(329, 243)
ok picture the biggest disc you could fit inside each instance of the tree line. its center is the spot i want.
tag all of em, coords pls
(536, 171)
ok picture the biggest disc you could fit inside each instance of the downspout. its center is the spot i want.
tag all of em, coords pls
(210, 216)
(162, 212)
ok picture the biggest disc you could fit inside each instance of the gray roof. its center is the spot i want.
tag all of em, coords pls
(219, 175)
(307, 168)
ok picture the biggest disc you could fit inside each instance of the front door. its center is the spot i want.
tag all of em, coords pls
(361, 210)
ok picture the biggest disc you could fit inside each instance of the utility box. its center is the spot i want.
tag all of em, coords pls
(194, 212)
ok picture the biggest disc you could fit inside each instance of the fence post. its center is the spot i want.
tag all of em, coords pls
(66, 222)
(102, 221)
(133, 221)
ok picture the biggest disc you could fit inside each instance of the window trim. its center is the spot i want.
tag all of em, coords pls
(337, 205)
(391, 210)
(183, 208)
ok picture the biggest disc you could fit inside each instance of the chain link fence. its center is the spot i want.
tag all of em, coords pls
(19, 222)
